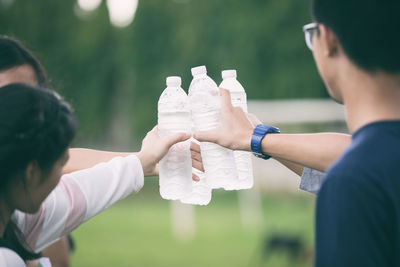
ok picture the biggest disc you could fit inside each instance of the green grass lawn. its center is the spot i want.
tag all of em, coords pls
(138, 232)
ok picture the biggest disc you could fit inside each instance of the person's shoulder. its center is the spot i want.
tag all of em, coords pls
(355, 170)
(8, 258)
(373, 154)
(359, 170)
(350, 182)
(378, 140)
(348, 168)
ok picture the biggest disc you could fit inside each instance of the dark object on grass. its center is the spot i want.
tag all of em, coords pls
(292, 245)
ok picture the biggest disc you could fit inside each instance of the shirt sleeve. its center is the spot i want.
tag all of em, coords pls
(78, 197)
(311, 180)
(353, 224)
(9, 258)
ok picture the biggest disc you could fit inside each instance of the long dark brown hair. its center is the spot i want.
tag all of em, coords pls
(35, 125)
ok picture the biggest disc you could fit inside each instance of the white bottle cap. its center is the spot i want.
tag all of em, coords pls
(174, 81)
(228, 74)
(199, 70)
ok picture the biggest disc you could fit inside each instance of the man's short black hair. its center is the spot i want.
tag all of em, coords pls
(368, 30)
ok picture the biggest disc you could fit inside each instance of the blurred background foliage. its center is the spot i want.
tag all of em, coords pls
(114, 76)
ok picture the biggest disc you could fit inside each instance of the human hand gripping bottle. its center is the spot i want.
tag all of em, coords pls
(242, 158)
(175, 169)
(205, 103)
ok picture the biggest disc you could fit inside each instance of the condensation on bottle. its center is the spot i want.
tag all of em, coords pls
(243, 160)
(205, 103)
(175, 168)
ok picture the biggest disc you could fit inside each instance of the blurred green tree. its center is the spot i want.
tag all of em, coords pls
(114, 76)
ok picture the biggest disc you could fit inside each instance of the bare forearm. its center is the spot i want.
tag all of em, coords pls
(316, 151)
(82, 158)
(296, 168)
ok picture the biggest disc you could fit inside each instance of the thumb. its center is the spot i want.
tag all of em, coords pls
(176, 138)
(206, 136)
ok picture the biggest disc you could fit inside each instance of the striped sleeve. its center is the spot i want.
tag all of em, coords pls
(78, 197)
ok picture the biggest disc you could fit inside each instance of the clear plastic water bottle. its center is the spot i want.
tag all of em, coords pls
(201, 193)
(205, 103)
(175, 169)
(242, 158)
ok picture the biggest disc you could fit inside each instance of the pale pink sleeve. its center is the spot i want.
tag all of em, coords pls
(78, 197)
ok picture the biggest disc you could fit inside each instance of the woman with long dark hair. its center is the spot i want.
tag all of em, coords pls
(36, 206)
(17, 64)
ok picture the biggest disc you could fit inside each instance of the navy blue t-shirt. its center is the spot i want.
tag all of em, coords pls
(358, 205)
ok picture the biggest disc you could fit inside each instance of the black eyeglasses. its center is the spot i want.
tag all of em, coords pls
(308, 30)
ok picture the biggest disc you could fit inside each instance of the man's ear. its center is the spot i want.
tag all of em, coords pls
(329, 41)
(33, 174)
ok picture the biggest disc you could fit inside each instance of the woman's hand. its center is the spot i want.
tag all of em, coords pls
(235, 128)
(154, 149)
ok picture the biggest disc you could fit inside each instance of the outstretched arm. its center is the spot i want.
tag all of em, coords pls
(83, 158)
(83, 194)
(316, 151)
(296, 168)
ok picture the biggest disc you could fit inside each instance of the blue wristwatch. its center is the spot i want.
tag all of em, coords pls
(259, 133)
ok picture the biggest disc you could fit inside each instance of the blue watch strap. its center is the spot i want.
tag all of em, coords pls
(258, 134)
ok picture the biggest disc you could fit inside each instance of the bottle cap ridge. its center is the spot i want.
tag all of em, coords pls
(228, 74)
(174, 81)
(199, 70)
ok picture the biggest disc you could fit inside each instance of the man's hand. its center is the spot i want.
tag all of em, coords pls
(235, 129)
(253, 119)
(195, 152)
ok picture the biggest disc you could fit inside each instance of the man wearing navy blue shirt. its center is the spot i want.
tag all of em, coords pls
(356, 47)
(358, 207)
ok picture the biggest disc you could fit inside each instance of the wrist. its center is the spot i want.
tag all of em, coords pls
(258, 136)
(147, 166)
(247, 136)
(268, 144)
